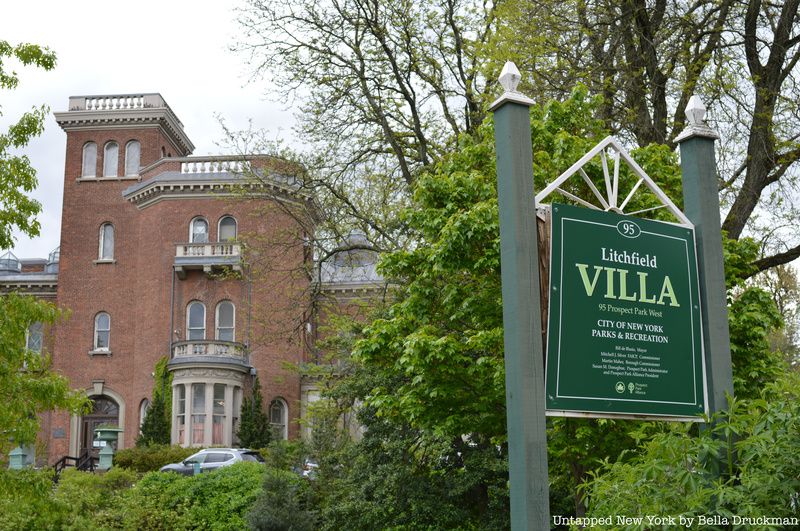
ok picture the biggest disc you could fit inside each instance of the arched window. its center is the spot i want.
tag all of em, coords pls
(278, 418)
(33, 341)
(102, 331)
(227, 229)
(196, 321)
(180, 413)
(89, 167)
(110, 159)
(132, 155)
(143, 407)
(106, 247)
(105, 412)
(225, 321)
(198, 231)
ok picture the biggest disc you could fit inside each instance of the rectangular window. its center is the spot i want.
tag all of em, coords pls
(35, 335)
(219, 413)
(181, 414)
(198, 413)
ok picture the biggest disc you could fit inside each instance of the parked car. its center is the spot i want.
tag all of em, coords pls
(212, 459)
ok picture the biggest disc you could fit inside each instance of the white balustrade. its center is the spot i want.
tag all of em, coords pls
(215, 165)
(209, 348)
(225, 250)
(113, 103)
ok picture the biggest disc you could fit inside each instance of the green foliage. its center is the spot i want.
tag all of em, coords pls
(398, 478)
(157, 424)
(739, 256)
(88, 497)
(162, 384)
(752, 317)
(284, 504)
(26, 501)
(680, 473)
(218, 500)
(254, 428)
(27, 385)
(150, 457)
(284, 455)
(17, 176)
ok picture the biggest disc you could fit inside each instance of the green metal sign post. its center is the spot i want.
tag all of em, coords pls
(525, 411)
(624, 335)
(701, 204)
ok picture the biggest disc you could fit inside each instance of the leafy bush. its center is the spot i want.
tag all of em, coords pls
(26, 501)
(218, 500)
(152, 457)
(87, 495)
(284, 455)
(254, 428)
(748, 464)
(284, 504)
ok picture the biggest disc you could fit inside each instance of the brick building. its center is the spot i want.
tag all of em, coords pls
(200, 259)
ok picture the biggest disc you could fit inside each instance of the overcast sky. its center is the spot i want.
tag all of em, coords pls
(178, 48)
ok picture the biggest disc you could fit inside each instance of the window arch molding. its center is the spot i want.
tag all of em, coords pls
(89, 160)
(102, 332)
(105, 247)
(133, 155)
(227, 228)
(279, 417)
(110, 159)
(144, 407)
(195, 321)
(198, 230)
(225, 321)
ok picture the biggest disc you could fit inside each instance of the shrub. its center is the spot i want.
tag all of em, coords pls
(284, 504)
(217, 500)
(26, 502)
(254, 428)
(748, 464)
(150, 458)
(86, 495)
(284, 455)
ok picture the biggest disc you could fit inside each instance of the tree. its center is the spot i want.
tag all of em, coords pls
(27, 385)
(156, 426)
(430, 371)
(17, 176)
(385, 88)
(254, 428)
(647, 58)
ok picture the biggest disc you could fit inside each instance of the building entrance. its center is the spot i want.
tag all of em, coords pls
(105, 411)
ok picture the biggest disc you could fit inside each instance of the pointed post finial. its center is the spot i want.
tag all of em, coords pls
(695, 111)
(509, 79)
(695, 121)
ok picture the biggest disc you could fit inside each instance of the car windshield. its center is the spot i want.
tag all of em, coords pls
(252, 456)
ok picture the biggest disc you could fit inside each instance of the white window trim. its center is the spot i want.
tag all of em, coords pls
(101, 240)
(216, 320)
(188, 310)
(285, 420)
(144, 408)
(219, 227)
(101, 350)
(105, 154)
(93, 169)
(191, 229)
(139, 163)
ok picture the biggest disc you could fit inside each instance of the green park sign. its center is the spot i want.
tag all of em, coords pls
(624, 333)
